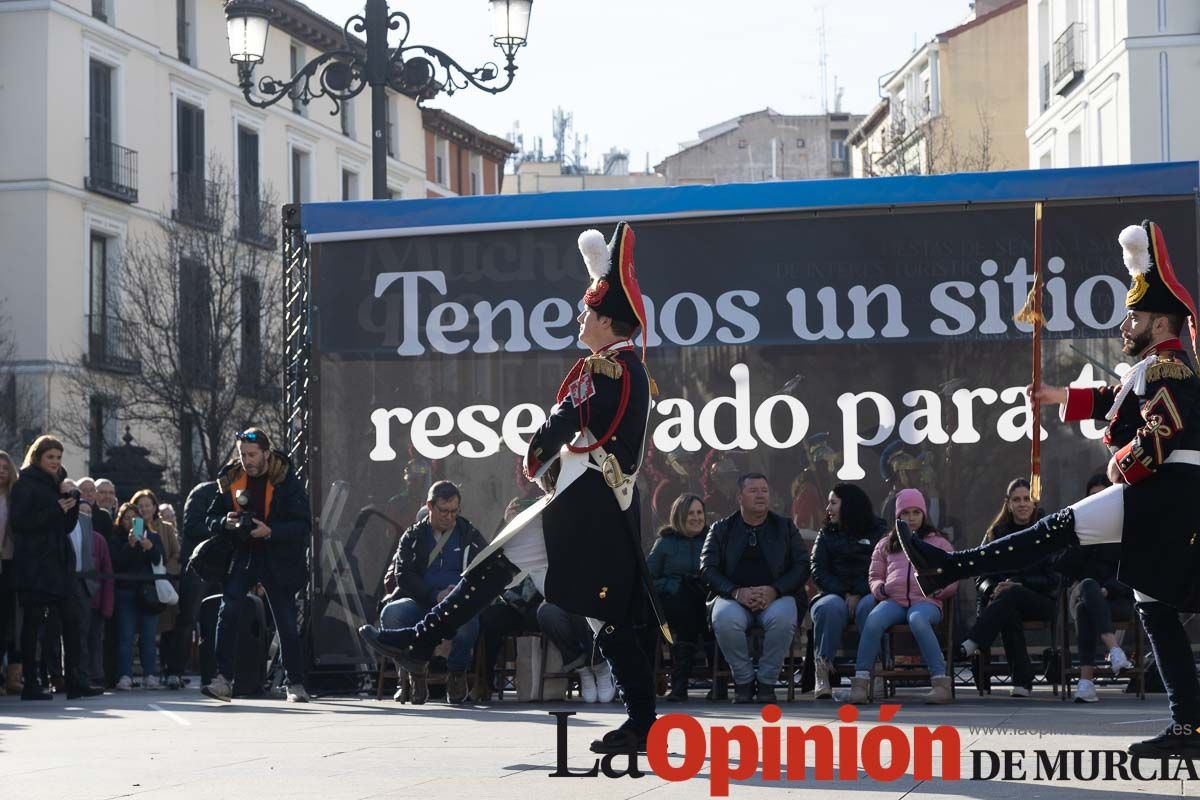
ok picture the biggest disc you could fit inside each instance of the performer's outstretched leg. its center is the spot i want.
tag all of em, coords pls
(936, 569)
(634, 676)
(413, 647)
(1173, 654)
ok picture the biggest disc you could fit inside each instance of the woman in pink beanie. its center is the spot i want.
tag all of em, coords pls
(900, 600)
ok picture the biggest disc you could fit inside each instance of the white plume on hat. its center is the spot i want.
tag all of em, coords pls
(595, 253)
(1136, 246)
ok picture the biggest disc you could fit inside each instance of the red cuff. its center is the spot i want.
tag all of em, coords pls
(1132, 468)
(1079, 404)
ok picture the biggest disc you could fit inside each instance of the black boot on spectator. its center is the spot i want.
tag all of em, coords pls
(34, 692)
(936, 569)
(412, 648)
(683, 657)
(634, 676)
(77, 692)
(743, 693)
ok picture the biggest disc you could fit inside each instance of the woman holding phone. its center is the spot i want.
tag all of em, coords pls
(134, 556)
(150, 512)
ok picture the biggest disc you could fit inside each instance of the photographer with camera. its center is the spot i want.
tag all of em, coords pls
(263, 507)
(43, 517)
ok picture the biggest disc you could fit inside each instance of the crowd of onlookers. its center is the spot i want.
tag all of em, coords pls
(82, 579)
(749, 580)
(75, 568)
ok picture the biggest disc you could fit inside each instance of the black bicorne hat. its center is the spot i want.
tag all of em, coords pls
(613, 291)
(1154, 287)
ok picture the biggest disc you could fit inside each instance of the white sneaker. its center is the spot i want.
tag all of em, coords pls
(218, 689)
(821, 689)
(296, 693)
(125, 684)
(1085, 692)
(1118, 661)
(606, 688)
(587, 685)
(151, 682)
(1021, 691)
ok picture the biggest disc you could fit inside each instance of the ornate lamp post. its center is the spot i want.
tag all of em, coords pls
(418, 71)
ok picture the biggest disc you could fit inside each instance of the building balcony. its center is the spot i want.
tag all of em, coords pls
(1069, 50)
(256, 222)
(112, 170)
(197, 202)
(110, 345)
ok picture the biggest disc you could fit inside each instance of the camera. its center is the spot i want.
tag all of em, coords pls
(72, 494)
(245, 522)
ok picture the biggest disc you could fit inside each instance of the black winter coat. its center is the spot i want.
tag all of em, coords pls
(841, 560)
(195, 525)
(411, 560)
(133, 560)
(288, 517)
(45, 559)
(782, 548)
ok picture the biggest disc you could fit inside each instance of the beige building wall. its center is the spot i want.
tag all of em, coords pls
(533, 177)
(983, 78)
(46, 213)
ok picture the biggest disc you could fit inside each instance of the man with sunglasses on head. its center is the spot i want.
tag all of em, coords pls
(262, 505)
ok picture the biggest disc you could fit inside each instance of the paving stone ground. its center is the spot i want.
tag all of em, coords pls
(181, 745)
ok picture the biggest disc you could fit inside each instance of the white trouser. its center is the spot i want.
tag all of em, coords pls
(527, 551)
(1100, 519)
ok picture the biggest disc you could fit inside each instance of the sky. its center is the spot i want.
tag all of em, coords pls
(645, 75)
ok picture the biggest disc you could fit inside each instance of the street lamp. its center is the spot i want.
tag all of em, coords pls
(418, 71)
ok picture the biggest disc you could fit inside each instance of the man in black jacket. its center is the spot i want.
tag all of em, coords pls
(429, 561)
(192, 588)
(756, 563)
(272, 542)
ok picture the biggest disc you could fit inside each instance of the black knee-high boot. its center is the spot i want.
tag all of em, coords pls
(634, 676)
(412, 647)
(936, 569)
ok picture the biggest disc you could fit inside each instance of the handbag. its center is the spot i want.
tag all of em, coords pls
(163, 588)
(148, 598)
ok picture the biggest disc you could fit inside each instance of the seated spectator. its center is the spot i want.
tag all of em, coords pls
(512, 614)
(674, 564)
(1096, 599)
(134, 557)
(756, 564)
(572, 635)
(841, 559)
(428, 563)
(898, 600)
(1005, 602)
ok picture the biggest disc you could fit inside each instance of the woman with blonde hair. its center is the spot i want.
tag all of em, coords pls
(674, 565)
(8, 579)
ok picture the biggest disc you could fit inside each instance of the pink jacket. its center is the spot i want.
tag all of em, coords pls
(890, 576)
(102, 601)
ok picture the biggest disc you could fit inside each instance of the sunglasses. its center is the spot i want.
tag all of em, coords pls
(250, 436)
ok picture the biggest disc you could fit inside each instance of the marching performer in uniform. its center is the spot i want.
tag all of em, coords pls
(581, 543)
(1153, 432)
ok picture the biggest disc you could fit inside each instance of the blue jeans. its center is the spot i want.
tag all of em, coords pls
(730, 619)
(830, 615)
(408, 612)
(921, 618)
(133, 621)
(244, 577)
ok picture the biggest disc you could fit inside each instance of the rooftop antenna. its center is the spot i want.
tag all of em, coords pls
(824, 65)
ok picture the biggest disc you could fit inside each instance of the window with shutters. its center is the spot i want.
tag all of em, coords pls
(250, 373)
(195, 321)
(196, 202)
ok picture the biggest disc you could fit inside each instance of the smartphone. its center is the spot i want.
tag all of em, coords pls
(139, 528)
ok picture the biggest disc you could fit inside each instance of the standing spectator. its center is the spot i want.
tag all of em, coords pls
(42, 519)
(135, 556)
(1005, 602)
(8, 580)
(674, 565)
(192, 588)
(270, 550)
(88, 589)
(756, 563)
(100, 608)
(1096, 599)
(899, 600)
(841, 559)
(106, 497)
(428, 563)
(149, 510)
(166, 512)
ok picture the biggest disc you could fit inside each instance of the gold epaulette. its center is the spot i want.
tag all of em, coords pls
(1168, 368)
(603, 364)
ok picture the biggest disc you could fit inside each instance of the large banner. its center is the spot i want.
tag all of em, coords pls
(871, 347)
